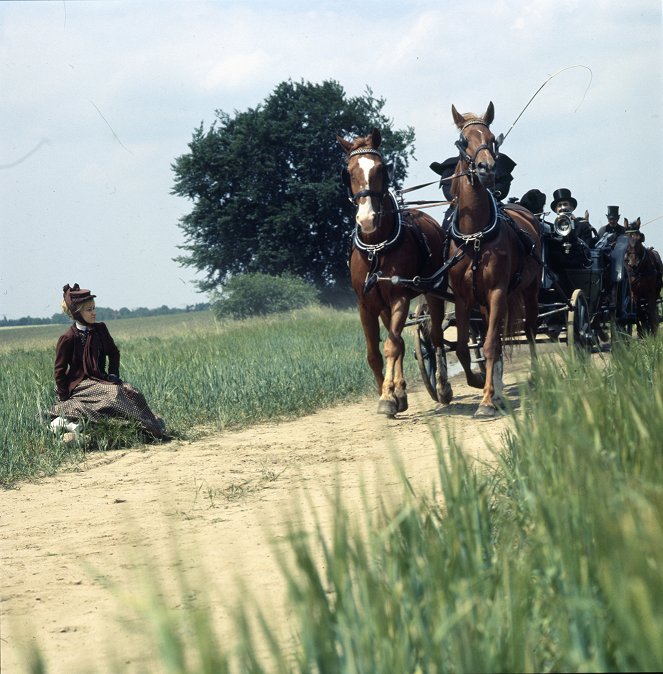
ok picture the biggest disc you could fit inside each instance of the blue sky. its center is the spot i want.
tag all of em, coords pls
(98, 98)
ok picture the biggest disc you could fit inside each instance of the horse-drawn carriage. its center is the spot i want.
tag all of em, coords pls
(491, 261)
(586, 306)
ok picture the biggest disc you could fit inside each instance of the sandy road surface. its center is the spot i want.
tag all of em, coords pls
(220, 501)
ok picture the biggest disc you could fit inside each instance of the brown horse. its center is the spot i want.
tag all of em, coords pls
(390, 242)
(500, 270)
(645, 273)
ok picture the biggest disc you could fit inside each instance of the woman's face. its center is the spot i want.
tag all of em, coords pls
(88, 312)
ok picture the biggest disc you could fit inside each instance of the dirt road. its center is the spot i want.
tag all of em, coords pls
(219, 503)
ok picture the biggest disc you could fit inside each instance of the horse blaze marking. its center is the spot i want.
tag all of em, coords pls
(365, 212)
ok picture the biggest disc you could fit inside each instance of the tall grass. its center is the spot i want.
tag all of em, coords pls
(551, 560)
(194, 374)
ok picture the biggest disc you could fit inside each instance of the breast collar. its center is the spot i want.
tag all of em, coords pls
(375, 249)
(485, 234)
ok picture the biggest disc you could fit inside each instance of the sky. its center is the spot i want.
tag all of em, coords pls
(99, 98)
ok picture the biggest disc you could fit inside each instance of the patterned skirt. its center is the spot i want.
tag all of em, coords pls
(93, 400)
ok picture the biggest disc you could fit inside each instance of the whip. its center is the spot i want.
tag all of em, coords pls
(543, 85)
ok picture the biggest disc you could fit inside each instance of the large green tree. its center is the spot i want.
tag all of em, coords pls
(265, 184)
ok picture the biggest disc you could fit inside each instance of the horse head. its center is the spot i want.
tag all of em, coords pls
(635, 250)
(477, 146)
(366, 177)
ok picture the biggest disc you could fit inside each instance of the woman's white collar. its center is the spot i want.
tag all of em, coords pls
(80, 326)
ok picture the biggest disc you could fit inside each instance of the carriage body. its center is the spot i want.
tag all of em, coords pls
(584, 299)
(586, 305)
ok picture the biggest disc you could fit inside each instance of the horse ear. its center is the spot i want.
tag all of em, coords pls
(459, 120)
(625, 222)
(489, 115)
(345, 144)
(637, 223)
(376, 138)
(586, 215)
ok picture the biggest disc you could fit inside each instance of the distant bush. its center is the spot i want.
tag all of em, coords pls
(258, 294)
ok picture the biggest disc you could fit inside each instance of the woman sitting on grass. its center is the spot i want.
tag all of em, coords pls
(84, 389)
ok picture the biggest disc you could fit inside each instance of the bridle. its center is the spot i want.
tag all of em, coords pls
(471, 161)
(354, 197)
(364, 193)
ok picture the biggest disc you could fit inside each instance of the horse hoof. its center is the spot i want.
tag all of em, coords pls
(401, 402)
(446, 395)
(387, 407)
(486, 412)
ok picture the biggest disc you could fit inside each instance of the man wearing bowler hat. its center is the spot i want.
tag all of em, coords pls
(613, 228)
(564, 202)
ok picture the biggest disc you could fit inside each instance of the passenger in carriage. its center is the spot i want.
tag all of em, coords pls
(564, 203)
(568, 239)
(613, 229)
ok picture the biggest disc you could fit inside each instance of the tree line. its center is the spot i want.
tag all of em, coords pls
(104, 314)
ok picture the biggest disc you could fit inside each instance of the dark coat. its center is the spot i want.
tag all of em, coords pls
(617, 230)
(69, 370)
(585, 232)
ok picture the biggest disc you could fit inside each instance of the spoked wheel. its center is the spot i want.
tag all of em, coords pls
(579, 333)
(424, 350)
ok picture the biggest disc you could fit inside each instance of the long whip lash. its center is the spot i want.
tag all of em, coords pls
(544, 84)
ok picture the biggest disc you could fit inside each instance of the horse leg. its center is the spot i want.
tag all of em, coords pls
(371, 328)
(492, 349)
(474, 379)
(442, 385)
(393, 395)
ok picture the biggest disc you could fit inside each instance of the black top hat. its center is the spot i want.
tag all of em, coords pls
(563, 194)
(613, 212)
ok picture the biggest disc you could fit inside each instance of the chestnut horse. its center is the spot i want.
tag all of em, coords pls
(390, 242)
(501, 268)
(645, 273)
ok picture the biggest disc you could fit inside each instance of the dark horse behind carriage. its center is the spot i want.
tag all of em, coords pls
(645, 272)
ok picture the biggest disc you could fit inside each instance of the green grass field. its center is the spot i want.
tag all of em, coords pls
(195, 371)
(551, 560)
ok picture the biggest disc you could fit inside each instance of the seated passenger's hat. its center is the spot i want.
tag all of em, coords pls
(74, 296)
(563, 194)
(613, 212)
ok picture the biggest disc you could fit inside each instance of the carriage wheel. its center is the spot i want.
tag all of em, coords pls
(579, 332)
(424, 350)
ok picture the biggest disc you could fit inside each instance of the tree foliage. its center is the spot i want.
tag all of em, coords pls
(257, 294)
(265, 185)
